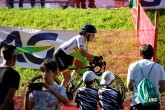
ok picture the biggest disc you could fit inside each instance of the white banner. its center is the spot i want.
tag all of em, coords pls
(33, 45)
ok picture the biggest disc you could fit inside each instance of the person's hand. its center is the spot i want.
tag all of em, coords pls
(71, 103)
(98, 58)
(45, 85)
(28, 90)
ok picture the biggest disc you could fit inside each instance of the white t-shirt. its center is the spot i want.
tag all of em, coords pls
(134, 73)
(44, 100)
(73, 44)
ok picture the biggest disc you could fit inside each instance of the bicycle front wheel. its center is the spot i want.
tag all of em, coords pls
(38, 78)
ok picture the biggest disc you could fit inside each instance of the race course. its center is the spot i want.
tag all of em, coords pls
(119, 48)
(19, 105)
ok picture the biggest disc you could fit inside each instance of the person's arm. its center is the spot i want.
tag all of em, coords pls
(122, 106)
(27, 103)
(120, 101)
(130, 84)
(162, 81)
(162, 86)
(8, 99)
(58, 95)
(88, 56)
(130, 77)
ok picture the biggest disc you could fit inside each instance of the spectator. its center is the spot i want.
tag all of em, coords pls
(156, 76)
(20, 3)
(51, 95)
(91, 4)
(9, 78)
(77, 3)
(83, 4)
(87, 96)
(42, 3)
(68, 3)
(10, 3)
(109, 97)
(76, 43)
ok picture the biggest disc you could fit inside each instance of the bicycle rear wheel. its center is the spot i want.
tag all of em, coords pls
(118, 84)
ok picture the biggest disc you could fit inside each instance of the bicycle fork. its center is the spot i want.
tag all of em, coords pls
(77, 86)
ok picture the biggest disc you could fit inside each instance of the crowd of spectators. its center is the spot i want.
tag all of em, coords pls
(72, 3)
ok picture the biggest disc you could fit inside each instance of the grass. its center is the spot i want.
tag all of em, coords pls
(161, 34)
(115, 39)
(72, 19)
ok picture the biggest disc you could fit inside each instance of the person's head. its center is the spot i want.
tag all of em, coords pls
(88, 31)
(49, 70)
(146, 51)
(8, 53)
(89, 77)
(107, 78)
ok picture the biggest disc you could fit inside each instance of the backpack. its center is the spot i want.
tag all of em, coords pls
(146, 93)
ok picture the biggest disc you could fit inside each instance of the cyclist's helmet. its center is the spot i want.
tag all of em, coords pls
(88, 28)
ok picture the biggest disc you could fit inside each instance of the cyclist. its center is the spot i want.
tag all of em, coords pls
(61, 55)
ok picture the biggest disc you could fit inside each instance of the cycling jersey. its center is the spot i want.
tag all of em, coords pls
(74, 43)
(62, 56)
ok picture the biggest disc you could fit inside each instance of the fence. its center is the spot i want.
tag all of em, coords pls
(146, 32)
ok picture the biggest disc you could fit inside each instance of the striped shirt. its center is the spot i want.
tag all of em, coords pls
(110, 98)
(87, 98)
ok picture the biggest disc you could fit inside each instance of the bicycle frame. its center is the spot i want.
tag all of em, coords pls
(119, 83)
(80, 82)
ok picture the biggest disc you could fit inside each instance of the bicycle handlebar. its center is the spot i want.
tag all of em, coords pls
(100, 65)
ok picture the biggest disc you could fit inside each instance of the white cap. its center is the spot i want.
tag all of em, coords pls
(89, 76)
(107, 77)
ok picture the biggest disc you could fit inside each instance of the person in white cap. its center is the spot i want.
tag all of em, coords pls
(109, 97)
(87, 96)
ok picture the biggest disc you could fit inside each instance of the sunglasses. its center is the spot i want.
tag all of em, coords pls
(92, 34)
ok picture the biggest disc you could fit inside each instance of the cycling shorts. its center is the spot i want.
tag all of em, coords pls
(63, 60)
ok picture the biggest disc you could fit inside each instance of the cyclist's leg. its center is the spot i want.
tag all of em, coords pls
(77, 63)
(66, 78)
(63, 60)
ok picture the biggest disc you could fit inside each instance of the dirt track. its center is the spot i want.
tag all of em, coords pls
(19, 105)
(119, 49)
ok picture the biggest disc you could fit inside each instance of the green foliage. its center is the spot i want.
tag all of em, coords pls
(72, 19)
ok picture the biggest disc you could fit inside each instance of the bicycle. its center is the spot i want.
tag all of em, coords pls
(97, 69)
